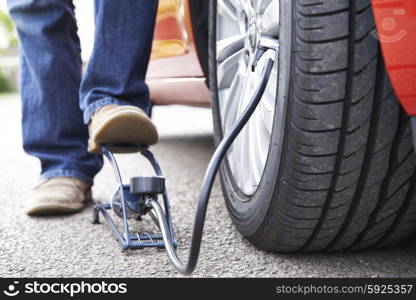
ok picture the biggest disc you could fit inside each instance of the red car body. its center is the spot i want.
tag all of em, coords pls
(175, 74)
(396, 27)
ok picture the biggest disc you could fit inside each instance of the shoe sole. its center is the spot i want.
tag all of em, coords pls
(124, 127)
(42, 209)
(51, 209)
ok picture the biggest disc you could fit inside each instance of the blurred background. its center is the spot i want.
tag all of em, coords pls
(198, 121)
(9, 59)
(8, 53)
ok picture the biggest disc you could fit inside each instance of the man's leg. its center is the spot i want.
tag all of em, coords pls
(116, 73)
(53, 128)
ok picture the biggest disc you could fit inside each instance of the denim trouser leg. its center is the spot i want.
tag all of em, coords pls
(53, 128)
(117, 68)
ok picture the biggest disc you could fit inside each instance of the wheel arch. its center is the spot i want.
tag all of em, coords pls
(396, 30)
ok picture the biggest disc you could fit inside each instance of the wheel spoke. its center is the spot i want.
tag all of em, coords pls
(261, 5)
(263, 117)
(228, 9)
(229, 46)
(243, 150)
(235, 3)
(255, 148)
(270, 19)
(263, 141)
(229, 106)
(227, 69)
(248, 8)
(244, 159)
(245, 92)
(238, 146)
(267, 103)
(267, 42)
(234, 108)
(268, 113)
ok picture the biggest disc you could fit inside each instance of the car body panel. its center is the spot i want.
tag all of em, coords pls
(396, 27)
(175, 75)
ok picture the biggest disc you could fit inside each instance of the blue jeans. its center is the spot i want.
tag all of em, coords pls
(57, 100)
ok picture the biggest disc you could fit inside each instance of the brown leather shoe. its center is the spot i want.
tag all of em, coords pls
(120, 124)
(58, 195)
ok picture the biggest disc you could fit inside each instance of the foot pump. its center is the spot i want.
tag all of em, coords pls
(141, 196)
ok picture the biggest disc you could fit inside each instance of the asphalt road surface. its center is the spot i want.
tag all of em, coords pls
(70, 246)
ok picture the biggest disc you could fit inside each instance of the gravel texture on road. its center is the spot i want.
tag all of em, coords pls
(70, 246)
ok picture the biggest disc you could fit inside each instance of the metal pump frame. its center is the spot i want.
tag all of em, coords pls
(125, 238)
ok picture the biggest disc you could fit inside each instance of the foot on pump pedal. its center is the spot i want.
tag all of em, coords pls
(125, 125)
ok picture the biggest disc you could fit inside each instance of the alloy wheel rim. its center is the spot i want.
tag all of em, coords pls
(242, 26)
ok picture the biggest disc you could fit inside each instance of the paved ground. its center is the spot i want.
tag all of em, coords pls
(70, 246)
